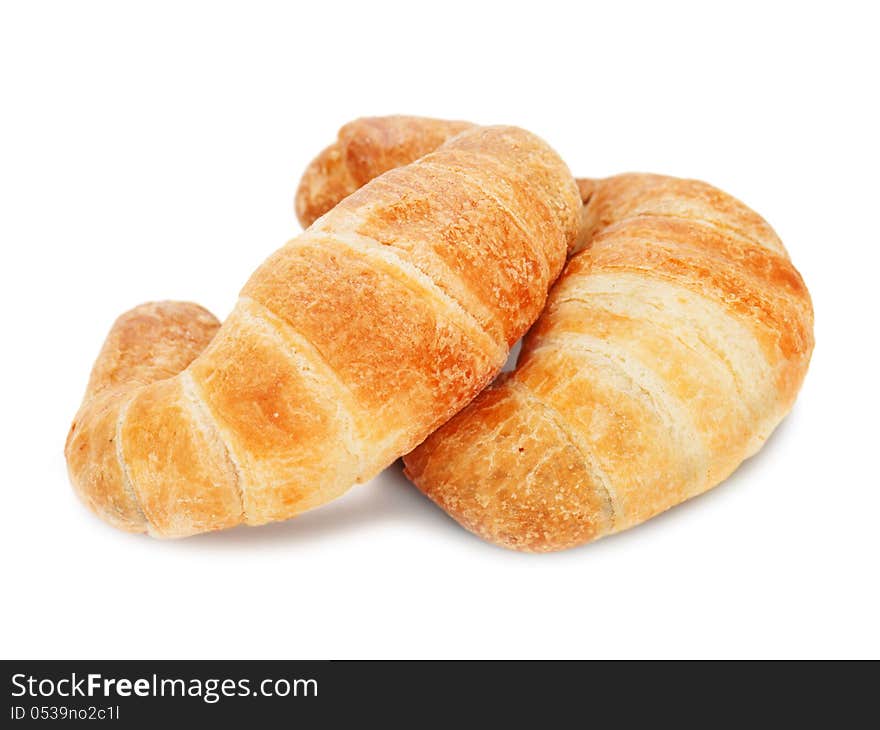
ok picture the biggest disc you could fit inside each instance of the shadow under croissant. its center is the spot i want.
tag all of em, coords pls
(742, 474)
(389, 498)
(392, 499)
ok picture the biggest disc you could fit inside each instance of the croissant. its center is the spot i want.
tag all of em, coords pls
(668, 352)
(346, 348)
(364, 149)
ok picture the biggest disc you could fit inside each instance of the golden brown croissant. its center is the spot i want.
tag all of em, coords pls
(364, 149)
(667, 353)
(347, 347)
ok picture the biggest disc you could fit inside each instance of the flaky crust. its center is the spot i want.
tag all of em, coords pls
(364, 149)
(669, 350)
(347, 347)
(149, 344)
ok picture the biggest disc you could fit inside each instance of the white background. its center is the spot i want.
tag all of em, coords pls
(151, 150)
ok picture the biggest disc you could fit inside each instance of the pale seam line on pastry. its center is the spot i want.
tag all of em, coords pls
(127, 485)
(733, 232)
(599, 303)
(346, 225)
(707, 353)
(671, 412)
(692, 286)
(739, 348)
(413, 279)
(530, 237)
(535, 252)
(647, 387)
(565, 218)
(701, 291)
(591, 466)
(309, 360)
(772, 297)
(556, 214)
(543, 160)
(205, 420)
(693, 252)
(719, 355)
(740, 407)
(772, 243)
(774, 246)
(669, 408)
(496, 352)
(416, 281)
(736, 345)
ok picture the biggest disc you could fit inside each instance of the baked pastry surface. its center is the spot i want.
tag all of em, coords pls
(670, 348)
(346, 348)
